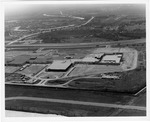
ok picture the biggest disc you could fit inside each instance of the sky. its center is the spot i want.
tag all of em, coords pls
(29, 8)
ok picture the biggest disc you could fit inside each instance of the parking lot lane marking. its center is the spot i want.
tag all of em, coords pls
(78, 103)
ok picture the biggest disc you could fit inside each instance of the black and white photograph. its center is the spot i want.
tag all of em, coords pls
(75, 59)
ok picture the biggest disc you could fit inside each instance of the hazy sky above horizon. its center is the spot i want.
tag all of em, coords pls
(29, 8)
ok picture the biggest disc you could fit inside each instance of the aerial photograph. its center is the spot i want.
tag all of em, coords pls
(75, 60)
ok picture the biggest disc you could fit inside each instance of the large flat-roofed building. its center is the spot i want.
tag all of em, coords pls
(112, 58)
(60, 65)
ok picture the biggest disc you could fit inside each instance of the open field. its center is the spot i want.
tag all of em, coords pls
(16, 53)
(47, 55)
(25, 52)
(16, 78)
(83, 69)
(32, 70)
(11, 69)
(50, 75)
(67, 95)
(131, 82)
(62, 109)
(41, 60)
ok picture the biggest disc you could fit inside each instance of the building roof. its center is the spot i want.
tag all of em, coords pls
(89, 59)
(60, 65)
(97, 55)
(115, 58)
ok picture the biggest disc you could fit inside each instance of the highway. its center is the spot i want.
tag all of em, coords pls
(80, 45)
